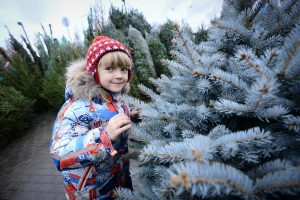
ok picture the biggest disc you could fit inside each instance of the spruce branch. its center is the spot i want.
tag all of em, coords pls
(141, 135)
(220, 75)
(273, 112)
(218, 131)
(239, 144)
(260, 95)
(180, 34)
(189, 149)
(287, 181)
(162, 155)
(148, 91)
(288, 67)
(208, 47)
(123, 194)
(133, 102)
(288, 60)
(247, 56)
(230, 107)
(188, 134)
(270, 167)
(233, 27)
(264, 90)
(257, 5)
(228, 145)
(141, 171)
(292, 123)
(270, 57)
(250, 135)
(205, 180)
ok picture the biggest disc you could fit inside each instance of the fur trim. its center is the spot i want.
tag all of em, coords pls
(82, 84)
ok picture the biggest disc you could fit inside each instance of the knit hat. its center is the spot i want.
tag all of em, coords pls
(101, 46)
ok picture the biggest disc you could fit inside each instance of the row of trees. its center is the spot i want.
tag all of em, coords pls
(32, 80)
(34, 75)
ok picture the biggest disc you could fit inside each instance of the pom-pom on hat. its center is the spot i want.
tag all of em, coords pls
(102, 45)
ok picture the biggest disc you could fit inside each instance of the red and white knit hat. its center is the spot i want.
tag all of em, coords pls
(102, 45)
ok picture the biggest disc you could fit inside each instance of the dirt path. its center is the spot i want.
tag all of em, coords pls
(26, 169)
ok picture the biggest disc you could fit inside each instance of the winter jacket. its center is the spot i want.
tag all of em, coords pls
(91, 164)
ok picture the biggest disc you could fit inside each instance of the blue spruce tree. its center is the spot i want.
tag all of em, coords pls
(227, 123)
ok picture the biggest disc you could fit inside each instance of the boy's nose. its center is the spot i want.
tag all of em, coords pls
(119, 74)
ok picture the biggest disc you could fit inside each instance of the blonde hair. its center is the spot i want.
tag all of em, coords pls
(115, 59)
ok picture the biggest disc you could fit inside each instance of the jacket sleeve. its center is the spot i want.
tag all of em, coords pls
(73, 144)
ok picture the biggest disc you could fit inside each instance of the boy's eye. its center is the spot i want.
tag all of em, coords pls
(109, 68)
(124, 69)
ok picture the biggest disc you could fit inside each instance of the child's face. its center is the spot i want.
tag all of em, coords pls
(113, 78)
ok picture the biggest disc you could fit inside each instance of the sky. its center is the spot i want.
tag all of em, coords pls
(33, 13)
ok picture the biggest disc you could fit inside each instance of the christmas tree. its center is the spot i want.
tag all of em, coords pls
(226, 124)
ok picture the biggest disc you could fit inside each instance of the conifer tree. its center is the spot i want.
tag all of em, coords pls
(89, 33)
(166, 35)
(15, 110)
(143, 62)
(200, 35)
(158, 52)
(226, 124)
(98, 25)
(122, 19)
(24, 71)
(60, 54)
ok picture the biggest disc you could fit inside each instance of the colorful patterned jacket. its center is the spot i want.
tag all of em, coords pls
(91, 164)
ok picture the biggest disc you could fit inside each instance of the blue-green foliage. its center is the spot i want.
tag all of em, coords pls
(227, 123)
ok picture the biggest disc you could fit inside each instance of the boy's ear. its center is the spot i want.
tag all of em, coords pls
(96, 77)
(126, 89)
(129, 74)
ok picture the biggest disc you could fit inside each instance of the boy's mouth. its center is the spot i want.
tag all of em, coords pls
(119, 83)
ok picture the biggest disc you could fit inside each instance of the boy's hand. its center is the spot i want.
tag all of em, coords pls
(135, 113)
(116, 125)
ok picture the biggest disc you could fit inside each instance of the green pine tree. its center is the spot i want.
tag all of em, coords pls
(24, 74)
(143, 63)
(166, 35)
(60, 54)
(158, 53)
(15, 110)
(122, 19)
(201, 35)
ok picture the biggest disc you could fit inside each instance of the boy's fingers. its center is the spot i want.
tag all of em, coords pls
(118, 117)
(121, 122)
(124, 128)
(125, 122)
